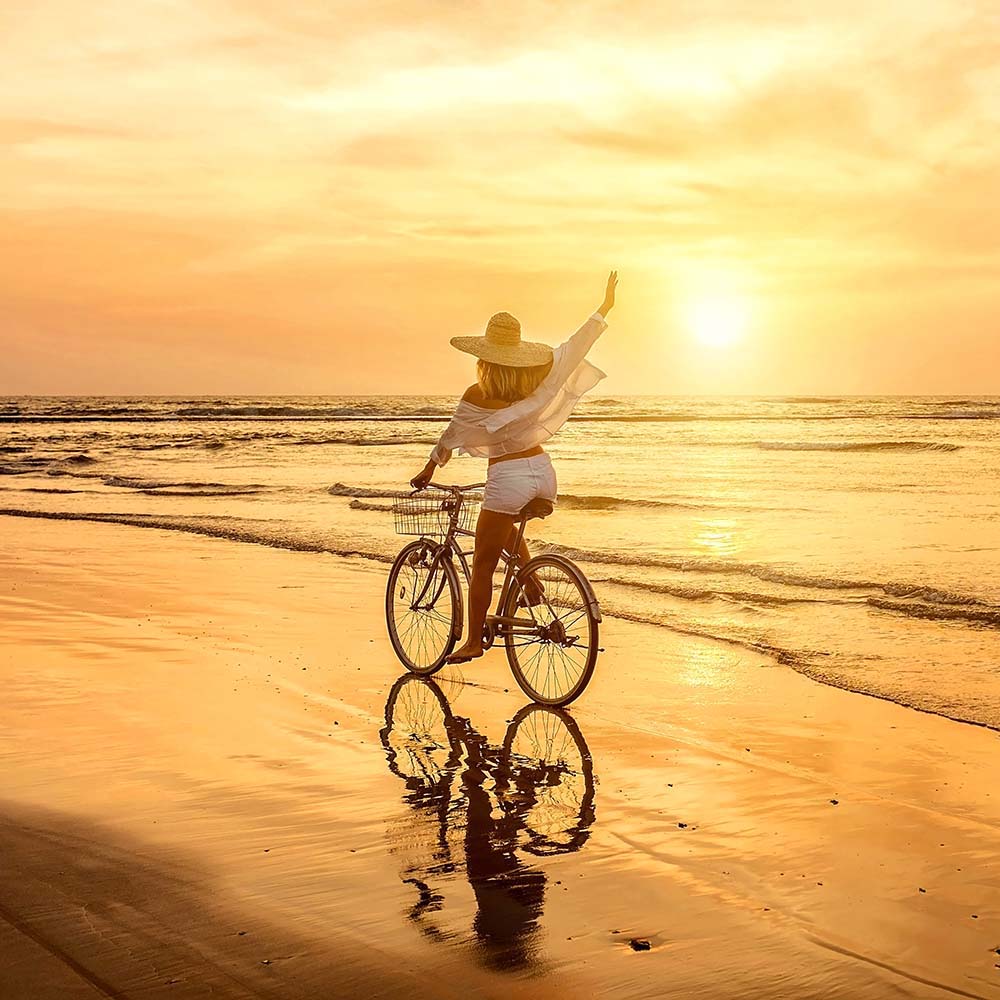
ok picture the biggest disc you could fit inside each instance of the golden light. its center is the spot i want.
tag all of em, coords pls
(717, 319)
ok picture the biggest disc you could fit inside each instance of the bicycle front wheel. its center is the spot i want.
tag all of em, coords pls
(423, 607)
(553, 648)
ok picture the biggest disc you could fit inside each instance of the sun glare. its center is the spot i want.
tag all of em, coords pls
(717, 320)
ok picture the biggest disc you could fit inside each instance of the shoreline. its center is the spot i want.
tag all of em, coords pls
(235, 533)
(223, 705)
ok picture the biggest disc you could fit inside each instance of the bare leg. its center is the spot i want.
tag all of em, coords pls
(533, 590)
(492, 532)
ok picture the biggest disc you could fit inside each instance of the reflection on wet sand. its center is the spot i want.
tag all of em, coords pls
(480, 810)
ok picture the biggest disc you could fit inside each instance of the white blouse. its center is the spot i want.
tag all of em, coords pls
(475, 430)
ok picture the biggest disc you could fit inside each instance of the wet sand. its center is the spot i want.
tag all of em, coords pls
(214, 785)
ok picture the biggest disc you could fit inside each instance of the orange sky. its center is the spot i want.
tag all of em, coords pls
(201, 196)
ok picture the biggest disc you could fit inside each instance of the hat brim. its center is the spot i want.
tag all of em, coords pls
(526, 354)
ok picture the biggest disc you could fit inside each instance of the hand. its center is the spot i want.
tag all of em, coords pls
(609, 294)
(422, 478)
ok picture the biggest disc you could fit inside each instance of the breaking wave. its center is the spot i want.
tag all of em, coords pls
(772, 574)
(857, 446)
(567, 501)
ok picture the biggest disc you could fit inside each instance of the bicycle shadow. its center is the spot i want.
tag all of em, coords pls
(483, 811)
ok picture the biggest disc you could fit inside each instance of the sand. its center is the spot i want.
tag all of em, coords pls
(197, 800)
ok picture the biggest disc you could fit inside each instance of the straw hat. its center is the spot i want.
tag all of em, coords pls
(502, 344)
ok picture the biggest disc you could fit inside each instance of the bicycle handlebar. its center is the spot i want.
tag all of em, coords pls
(452, 489)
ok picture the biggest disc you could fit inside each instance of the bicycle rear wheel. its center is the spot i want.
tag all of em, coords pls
(552, 655)
(423, 607)
(549, 770)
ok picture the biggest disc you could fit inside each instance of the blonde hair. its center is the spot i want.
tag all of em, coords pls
(509, 383)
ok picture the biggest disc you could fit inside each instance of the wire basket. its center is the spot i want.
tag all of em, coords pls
(431, 513)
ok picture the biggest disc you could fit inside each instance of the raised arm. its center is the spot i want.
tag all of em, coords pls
(570, 354)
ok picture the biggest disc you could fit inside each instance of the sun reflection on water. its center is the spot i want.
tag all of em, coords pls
(716, 536)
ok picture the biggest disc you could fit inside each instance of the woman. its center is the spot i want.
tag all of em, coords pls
(523, 394)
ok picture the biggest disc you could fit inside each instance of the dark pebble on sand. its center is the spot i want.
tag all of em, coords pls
(834, 802)
(241, 933)
(921, 890)
(682, 826)
(639, 944)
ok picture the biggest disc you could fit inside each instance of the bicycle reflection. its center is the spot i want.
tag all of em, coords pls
(479, 809)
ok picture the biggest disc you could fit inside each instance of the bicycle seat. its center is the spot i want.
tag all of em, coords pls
(539, 507)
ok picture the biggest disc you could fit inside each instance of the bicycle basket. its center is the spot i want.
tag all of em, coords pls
(431, 513)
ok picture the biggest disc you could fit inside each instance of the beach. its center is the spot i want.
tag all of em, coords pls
(215, 784)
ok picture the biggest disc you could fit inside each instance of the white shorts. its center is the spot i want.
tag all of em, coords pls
(511, 484)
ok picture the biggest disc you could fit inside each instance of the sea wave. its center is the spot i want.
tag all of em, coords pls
(981, 614)
(984, 617)
(261, 415)
(857, 446)
(808, 400)
(159, 487)
(344, 490)
(567, 501)
(773, 574)
(961, 415)
(262, 409)
(570, 501)
(184, 488)
(364, 505)
(687, 593)
(362, 442)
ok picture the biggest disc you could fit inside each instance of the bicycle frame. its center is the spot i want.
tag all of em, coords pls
(450, 547)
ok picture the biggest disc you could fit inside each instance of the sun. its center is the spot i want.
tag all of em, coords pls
(717, 320)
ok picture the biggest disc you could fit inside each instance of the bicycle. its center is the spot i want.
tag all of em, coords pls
(546, 613)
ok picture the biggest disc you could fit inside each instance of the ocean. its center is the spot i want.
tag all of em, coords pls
(854, 540)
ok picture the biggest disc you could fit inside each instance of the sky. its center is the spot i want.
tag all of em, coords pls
(209, 197)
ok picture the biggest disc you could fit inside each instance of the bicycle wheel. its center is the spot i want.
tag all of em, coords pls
(553, 659)
(550, 777)
(423, 607)
(417, 736)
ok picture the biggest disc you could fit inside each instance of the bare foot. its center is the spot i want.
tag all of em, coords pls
(470, 651)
